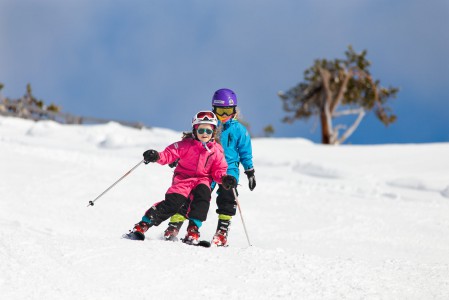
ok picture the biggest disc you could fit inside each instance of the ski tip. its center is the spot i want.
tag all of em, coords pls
(134, 236)
(202, 243)
(205, 244)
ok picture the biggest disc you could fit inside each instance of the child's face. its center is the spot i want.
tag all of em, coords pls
(202, 132)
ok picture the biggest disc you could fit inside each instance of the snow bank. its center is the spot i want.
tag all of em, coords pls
(348, 222)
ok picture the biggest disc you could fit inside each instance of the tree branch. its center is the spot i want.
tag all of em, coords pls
(346, 112)
(353, 127)
(341, 91)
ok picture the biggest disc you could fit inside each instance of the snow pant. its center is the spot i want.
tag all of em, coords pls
(226, 204)
(197, 205)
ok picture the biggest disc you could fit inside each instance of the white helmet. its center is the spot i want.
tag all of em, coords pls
(204, 117)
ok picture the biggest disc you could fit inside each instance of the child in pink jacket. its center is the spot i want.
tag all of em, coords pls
(201, 161)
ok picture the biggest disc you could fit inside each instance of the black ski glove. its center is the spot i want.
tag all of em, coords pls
(251, 178)
(173, 164)
(228, 182)
(150, 156)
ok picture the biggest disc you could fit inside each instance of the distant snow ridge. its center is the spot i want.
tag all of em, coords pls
(317, 170)
(43, 128)
(416, 184)
(445, 192)
(409, 183)
(115, 141)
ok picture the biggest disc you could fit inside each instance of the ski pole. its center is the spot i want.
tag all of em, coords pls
(241, 216)
(91, 203)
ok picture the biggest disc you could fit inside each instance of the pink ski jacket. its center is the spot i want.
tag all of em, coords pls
(197, 164)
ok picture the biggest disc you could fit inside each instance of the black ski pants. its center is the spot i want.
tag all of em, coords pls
(197, 205)
(226, 204)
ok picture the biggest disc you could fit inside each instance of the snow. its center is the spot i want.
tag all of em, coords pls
(347, 222)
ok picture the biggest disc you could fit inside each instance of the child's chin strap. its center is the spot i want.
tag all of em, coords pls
(205, 146)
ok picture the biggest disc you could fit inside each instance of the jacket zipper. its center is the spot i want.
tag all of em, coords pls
(229, 139)
(207, 160)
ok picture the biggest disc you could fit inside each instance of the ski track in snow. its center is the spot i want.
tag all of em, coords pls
(348, 222)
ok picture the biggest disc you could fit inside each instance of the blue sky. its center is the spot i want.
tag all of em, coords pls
(159, 62)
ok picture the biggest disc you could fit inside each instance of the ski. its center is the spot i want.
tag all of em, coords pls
(135, 236)
(202, 243)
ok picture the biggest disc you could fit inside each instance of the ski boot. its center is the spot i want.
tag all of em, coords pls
(172, 231)
(193, 235)
(220, 238)
(138, 232)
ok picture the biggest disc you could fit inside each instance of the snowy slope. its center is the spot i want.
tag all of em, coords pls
(348, 222)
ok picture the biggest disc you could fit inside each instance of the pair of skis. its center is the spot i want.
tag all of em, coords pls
(140, 237)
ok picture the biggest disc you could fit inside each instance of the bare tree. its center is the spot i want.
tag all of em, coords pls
(338, 88)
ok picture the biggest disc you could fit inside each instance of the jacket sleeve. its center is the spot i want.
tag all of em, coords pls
(220, 165)
(245, 149)
(171, 153)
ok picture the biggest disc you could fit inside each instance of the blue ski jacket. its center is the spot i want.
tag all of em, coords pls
(236, 142)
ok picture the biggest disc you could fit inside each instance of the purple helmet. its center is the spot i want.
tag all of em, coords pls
(224, 97)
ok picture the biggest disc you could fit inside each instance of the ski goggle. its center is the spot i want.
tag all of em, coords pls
(224, 110)
(205, 115)
(205, 130)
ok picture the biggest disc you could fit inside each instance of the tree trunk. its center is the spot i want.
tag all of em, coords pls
(325, 114)
(325, 129)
